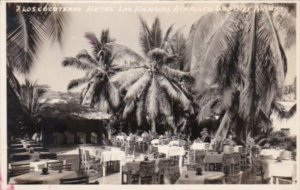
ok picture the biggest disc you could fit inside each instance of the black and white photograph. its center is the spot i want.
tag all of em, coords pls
(149, 93)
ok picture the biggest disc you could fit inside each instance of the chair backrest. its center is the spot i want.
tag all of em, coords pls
(164, 164)
(55, 165)
(235, 178)
(66, 167)
(77, 180)
(147, 168)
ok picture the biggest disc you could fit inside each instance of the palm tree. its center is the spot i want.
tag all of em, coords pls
(30, 94)
(239, 67)
(153, 90)
(27, 30)
(107, 59)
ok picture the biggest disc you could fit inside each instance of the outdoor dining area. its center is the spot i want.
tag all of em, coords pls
(149, 159)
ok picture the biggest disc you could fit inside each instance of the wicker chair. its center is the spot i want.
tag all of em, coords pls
(147, 172)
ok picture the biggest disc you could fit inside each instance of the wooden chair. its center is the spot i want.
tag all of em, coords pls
(163, 166)
(131, 176)
(147, 172)
(172, 174)
(55, 165)
(235, 178)
(257, 169)
(90, 164)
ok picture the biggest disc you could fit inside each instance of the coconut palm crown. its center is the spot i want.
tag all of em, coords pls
(106, 59)
(239, 66)
(152, 91)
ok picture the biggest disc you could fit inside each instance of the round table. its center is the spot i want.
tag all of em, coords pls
(197, 179)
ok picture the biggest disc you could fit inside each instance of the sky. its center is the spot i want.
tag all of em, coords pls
(123, 22)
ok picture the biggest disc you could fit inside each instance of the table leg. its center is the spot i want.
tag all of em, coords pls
(180, 164)
(104, 169)
(121, 166)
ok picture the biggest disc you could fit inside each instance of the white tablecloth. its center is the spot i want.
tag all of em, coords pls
(174, 143)
(106, 155)
(171, 150)
(200, 146)
(285, 168)
(271, 152)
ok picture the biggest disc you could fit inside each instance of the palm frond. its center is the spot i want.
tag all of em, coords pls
(84, 55)
(123, 58)
(156, 34)
(151, 100)
(167, 34)
(23, 42)
(125, 78)
(96, 45)
(287, 23)
(113, 95)
(138, 87)
(77, 82)
(90, 92)
(206, 111)
(145, 36)
(200, 34)
(281, 111)
(175, 93)
(174, 73)
(56, 24)
(105, 37)
(74, 62)
(129, 107)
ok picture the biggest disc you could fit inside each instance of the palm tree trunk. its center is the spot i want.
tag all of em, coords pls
(224, 126)
(153, 127)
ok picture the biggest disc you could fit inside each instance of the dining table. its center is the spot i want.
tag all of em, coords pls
(271, 153)
(190, 177)
(200, 146)
(106, 154)
(36, 165)
(53, 177)
(283, 168)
